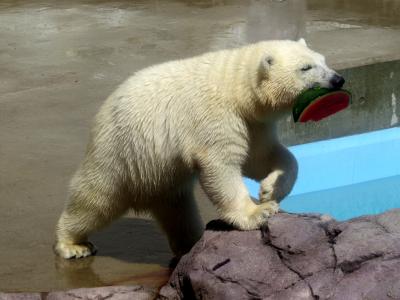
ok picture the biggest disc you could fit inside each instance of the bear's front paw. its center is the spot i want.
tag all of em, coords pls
(70, 250)
(265, 210)
(274, 187)
(256, 217)
(266, 195)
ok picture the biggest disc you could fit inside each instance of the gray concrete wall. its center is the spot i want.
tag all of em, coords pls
(375, 105)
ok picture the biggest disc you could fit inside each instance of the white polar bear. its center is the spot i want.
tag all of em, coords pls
(209, 118)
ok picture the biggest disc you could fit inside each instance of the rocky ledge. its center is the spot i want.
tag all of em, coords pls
(293, 257)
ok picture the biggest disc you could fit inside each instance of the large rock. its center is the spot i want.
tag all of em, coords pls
(294, 257)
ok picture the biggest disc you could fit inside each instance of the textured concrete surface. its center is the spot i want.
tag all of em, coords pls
(294, 257)
(109, 292)
(60, 59)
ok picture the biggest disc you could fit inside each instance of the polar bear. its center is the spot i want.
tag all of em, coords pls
(210, 119)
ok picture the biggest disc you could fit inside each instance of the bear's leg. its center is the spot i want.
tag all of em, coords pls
(224, 186)
(180, 220)
(277, 172)
(91, 207)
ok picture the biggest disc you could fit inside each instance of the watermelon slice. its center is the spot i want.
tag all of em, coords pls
(318, 103)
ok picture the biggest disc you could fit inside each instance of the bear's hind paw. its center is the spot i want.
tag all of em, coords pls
(68, 250)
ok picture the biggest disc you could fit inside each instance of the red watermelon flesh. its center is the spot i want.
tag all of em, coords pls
(325, 106)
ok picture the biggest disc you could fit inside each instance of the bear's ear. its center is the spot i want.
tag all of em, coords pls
(265, 65)
(266, 62)
(302, 41)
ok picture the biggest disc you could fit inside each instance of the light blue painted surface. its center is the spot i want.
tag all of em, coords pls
(370, 197)
(349, 160)
(346, 177)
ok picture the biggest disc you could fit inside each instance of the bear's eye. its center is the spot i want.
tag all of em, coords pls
(306, 68)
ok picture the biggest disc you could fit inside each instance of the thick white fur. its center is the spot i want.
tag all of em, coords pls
(209, 118)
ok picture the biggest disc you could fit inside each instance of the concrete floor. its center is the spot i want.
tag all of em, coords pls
(60, 59)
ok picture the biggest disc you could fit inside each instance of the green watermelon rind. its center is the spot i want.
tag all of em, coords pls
(315, 102)
(306, 97)
(313, 95)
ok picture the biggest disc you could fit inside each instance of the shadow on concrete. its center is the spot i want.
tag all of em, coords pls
(133, 240)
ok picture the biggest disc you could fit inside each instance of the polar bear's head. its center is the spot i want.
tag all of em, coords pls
(289, 67)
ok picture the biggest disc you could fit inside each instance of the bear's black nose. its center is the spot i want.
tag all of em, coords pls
(337, 81)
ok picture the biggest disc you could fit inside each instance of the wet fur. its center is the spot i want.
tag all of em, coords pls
(209, 118)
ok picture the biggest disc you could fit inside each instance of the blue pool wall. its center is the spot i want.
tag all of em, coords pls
(346, 177)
